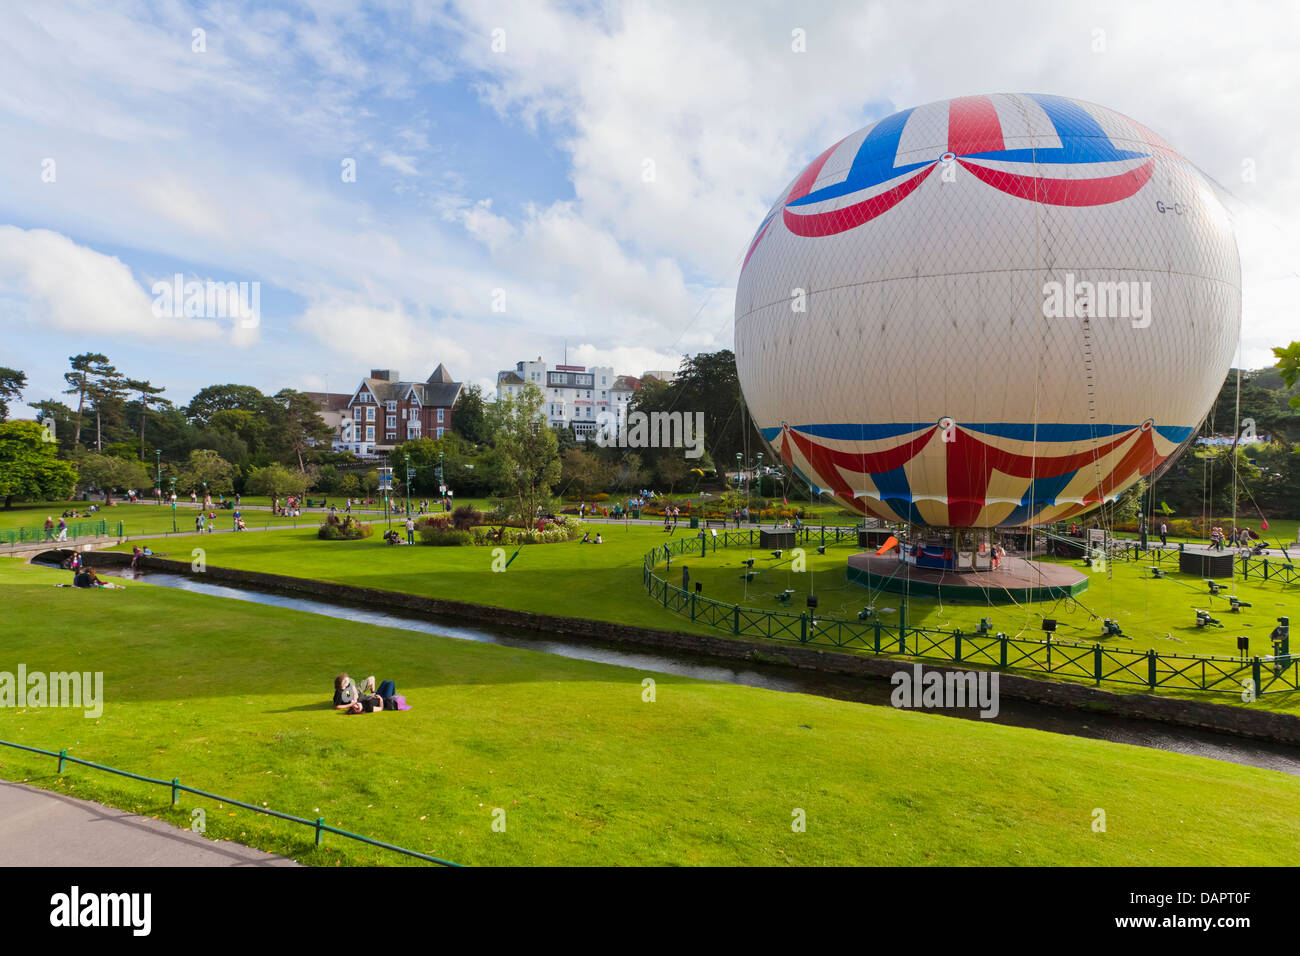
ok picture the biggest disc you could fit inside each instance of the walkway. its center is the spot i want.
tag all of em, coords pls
(44, 828)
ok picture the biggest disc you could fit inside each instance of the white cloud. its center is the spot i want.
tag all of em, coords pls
(73, 289)
(403, 164)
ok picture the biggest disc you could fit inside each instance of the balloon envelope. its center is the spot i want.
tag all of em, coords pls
(988, 311)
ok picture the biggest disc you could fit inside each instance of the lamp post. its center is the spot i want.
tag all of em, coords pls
(158, 484)
(173, 481)
(409, 472)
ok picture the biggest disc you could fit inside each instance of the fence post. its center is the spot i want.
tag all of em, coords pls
(176, 790)
(63, 757)
(692, 605)
(902, 626)
(1266, 569)
(956, 641)
(1259, 686)
(319, 822)
(877, 648)
(1003, 639)
(735, 623)
(803, 628)
(1096, 663)
(1151, 668)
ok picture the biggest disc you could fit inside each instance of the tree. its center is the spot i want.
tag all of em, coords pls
(206, 470)
(62, 415)
(469, 415)
(582, 474)
(708, 383)
(527, 462)
(671, 469)
(86, 368)
(1288, 363)
(277, 481)
(29, 466)
(148, 396)
(215, 398)
(105, 473)
(12, 383)
(299, 427)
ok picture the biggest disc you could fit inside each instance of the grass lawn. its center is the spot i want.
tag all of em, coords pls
(604, 583)
(232, 697)
(143, 517)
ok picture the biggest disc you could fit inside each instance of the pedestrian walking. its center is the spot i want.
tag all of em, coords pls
(63, 530)
(49, 528)
(1163, 531)
(410, 530)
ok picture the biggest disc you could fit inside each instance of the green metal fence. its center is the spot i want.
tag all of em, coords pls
(319, 824)
(1094, 662)
(75, 530)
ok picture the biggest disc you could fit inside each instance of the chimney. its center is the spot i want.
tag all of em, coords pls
(387, 375)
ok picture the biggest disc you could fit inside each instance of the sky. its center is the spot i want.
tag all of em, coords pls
(479, 183)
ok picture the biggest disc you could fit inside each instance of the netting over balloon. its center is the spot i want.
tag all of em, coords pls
(988, 311)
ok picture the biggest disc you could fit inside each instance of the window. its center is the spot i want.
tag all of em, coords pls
(390, 436)
(370, 433)
(390, 406)
(440, 413)
(439, 432)
(370, 414)
(391, 422)
(356, 413)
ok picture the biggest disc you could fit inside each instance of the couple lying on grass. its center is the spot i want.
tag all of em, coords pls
(366, 699)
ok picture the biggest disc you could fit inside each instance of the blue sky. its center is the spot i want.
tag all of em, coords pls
(501, 151)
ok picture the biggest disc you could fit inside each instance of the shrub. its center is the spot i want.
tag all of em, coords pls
(440, 537)
(344, 528)
(466, 517)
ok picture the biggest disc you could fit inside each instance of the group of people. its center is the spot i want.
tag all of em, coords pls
(588, 539)
(1233, 538)
(83, 576)
(62, 529)
(366, 697)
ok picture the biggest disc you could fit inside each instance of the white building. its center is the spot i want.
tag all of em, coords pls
(575, 396)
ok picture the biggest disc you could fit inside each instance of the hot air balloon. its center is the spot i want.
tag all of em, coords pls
(988, 311)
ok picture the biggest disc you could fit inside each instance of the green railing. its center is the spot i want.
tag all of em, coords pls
(1094, 662)
(76, 529)
(319, 824)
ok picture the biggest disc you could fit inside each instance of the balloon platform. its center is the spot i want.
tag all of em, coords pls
(1014, 579)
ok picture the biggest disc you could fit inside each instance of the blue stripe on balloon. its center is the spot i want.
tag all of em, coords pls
(1174, 433)
(1082, 138)
(893, 490)
(873, 164)
(1040, 494)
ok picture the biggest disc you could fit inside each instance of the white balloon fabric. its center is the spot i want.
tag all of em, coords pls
(988, 311)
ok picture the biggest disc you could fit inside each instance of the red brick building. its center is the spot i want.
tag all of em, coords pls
(385, 411)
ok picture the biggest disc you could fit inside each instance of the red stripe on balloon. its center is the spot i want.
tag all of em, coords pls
(850, 217)
(973, 126)
(1064, 192)
(804, 184)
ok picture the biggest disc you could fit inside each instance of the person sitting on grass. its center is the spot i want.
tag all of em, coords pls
(586, 538)
(87, 578)
(599, 539)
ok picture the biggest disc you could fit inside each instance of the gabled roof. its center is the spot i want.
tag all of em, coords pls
(509, 378)
(440, 374)
(329, 401)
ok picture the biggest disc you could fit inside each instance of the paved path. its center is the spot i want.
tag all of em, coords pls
(44, 828)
